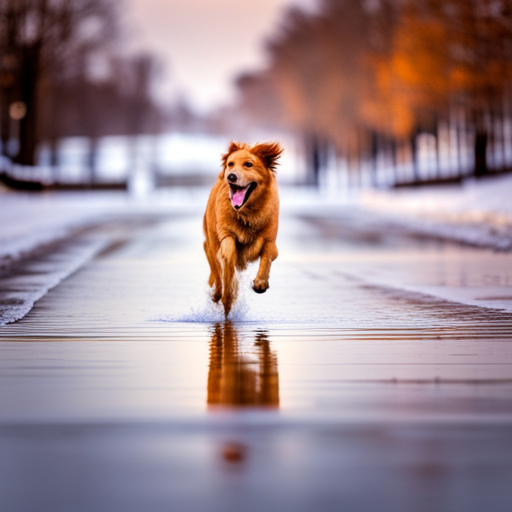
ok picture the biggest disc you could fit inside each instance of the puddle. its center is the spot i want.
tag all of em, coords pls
(125, 385)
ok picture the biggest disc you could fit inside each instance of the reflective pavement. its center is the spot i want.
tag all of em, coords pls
(344, 387)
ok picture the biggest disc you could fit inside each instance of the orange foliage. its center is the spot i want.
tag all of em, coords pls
(388, 67)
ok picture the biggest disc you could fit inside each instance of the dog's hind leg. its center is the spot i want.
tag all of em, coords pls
(228, 256)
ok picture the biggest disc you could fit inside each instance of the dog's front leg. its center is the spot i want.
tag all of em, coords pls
(228, 257)
(268, 255)
(215, 280)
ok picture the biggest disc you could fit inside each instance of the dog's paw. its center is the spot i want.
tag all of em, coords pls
(217, 296)
(260, 286)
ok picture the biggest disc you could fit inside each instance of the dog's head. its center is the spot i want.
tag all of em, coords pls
(248, 170)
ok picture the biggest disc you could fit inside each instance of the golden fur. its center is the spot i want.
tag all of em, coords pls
(238, 234)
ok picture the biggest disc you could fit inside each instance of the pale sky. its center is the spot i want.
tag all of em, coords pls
(205, 43)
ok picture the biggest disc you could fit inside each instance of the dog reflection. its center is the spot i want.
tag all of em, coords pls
(241, 379)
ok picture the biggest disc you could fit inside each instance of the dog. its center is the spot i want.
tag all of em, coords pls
(241, 219)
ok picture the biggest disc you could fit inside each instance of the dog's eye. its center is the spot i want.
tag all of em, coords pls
(248, 164)
(231, 164)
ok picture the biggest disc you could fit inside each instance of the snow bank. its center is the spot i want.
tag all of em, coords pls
(29, 221)
(478, 212)
(18, 294)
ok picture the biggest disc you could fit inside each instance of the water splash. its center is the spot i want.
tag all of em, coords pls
(208, 311)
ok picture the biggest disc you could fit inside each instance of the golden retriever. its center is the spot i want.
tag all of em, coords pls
(241, 219)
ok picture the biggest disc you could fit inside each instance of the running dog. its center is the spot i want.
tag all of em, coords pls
(241, 219)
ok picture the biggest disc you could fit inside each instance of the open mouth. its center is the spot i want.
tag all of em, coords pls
(240, 195)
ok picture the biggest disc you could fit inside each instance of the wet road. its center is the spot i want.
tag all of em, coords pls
(344, 387)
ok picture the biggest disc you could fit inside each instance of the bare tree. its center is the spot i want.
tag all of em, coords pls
(42, 40)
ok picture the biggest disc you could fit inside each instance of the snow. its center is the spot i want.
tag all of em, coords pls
(478, 212)
(20, 292)
(171, 154)
(30, 221)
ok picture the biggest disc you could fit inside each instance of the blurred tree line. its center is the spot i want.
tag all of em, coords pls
(60, 75)
(362, 79)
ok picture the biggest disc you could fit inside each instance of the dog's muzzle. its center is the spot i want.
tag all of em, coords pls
(240, 195)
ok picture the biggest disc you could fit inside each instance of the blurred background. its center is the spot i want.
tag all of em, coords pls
(144, 94)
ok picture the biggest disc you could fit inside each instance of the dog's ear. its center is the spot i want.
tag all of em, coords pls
(234, 146)
(269, 153)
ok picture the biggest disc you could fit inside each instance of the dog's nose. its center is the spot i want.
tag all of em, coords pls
(232, 178)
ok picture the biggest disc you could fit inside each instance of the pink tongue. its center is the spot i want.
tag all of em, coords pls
(238, 197)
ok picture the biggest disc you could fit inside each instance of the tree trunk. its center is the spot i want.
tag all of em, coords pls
(28, 125)
(458, 147)
(503, 140)
(374, 153)
(53, 148)
(392, 149)
(5, 127)
(313, 160)
(437, 156)
(92, 159)
(481, 138)
(414, 156)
